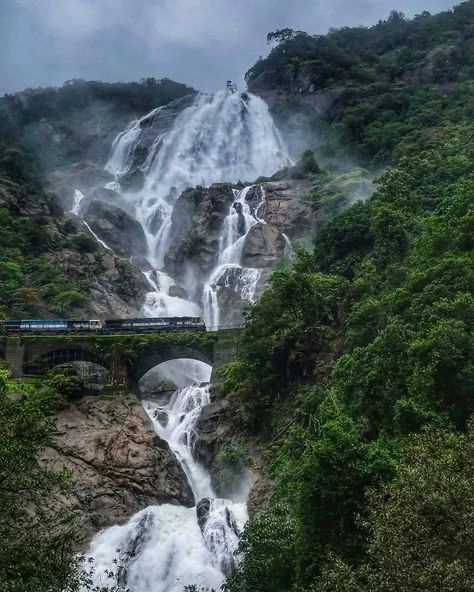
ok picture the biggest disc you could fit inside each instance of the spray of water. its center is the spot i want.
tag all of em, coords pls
(164, 548)
(221, 137)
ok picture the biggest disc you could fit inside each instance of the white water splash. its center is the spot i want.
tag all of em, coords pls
(163, 548)
(78, 198)
(159, 303)
(221, 137)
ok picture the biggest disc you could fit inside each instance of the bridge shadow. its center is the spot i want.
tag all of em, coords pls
(154, 356)
(57, 357)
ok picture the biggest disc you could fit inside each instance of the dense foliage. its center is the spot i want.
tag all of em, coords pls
(356, 366)
(376, 87)
(38, 534)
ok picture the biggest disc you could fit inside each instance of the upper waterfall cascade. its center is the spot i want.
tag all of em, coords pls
(225, 137)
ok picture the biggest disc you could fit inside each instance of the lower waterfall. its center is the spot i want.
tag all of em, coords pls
(164, 548)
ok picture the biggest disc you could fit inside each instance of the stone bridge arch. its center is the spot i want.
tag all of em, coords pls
(157, 354)
(49, 357)
(126, 357)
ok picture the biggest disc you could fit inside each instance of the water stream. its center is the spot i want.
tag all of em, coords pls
(224, 137)
(164, 548)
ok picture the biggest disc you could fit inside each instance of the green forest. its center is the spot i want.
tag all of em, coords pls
(356, 369)
(356, 366)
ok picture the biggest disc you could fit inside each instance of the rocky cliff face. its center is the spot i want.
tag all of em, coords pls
(196, 227)
(120, 231)
(119, 465)
(198, 218)
(234, 466)
(57, 256)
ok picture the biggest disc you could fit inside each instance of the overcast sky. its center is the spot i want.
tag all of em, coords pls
(200, 42)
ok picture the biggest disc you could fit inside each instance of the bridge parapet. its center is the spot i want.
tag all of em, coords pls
(127, 357)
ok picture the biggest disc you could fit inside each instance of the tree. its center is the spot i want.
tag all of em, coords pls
(308, 163)
(421, 526)
(36, 534)
(267, 546)
(282, 35)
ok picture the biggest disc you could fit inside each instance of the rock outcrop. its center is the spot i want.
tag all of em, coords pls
(287, 209)
(198, 217)
(83, 176)
(110, 286)
(196, 227)
(263, 245)
(120, 231)
(119, 465)
(235, 468)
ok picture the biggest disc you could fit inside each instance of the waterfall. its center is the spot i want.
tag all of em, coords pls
(76, 208)
(229, 273)
(164, 548)
(224, 137)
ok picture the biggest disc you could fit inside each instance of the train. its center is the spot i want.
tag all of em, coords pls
(104, 327)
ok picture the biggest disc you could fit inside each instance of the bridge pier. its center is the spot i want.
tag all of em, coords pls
(118, 368)
(14, 355)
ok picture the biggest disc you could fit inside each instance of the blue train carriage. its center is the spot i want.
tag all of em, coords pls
(39, 326)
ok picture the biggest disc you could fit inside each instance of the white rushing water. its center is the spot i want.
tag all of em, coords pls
(221, 137)
(229, 271)
(164, 548)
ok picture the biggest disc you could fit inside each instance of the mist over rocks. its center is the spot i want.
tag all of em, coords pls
(84, 176)
(150, 127)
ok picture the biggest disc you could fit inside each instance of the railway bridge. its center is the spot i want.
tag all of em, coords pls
(126, 357)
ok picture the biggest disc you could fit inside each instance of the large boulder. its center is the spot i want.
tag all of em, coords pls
(119, 465)
(263, 245)
(120, 231)
(288, 208)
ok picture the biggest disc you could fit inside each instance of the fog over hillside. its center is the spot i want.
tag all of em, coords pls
(46, 43)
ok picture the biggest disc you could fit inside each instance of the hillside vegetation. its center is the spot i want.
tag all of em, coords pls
(356, 366)
(372, 89)
(49, 262)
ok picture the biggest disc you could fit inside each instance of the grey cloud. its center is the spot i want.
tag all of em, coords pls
(200, 42)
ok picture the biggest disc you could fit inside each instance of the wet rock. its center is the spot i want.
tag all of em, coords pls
(155, 222)
(122, 233)
(133, 546)
(155, 125)
(262, 246)
(117, 467)
(133, 180)
(141, 262)
(202, 512)
(177, 291)
(196, 225)
(107, 195)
